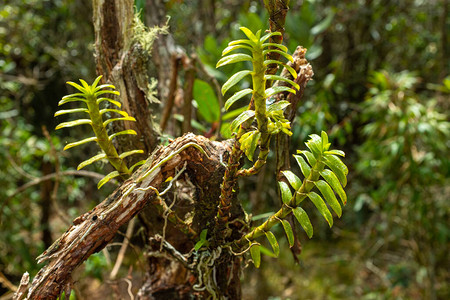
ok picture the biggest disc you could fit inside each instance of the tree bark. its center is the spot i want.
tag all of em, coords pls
(93, 230)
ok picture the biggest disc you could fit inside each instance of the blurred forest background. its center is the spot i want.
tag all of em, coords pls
(381, 90)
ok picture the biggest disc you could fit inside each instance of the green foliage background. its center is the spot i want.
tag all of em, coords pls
(381, 88)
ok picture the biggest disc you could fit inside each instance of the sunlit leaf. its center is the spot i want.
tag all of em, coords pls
(74, 123)
(116, 103)
(281, 47)
(294, 181)
(305, 168)
(315, 145)
(71, 99)
(129, 131)
(278, 89)
(303, 219)
(289, 68)
(120, 112)
(329, 196)
(333, 181)
(234, 47)
(234, 79)
(107, 178)
(70, 111)
(139, 163)
(233, 58)
(265, 37)
(278, 77)
(128, 153)
(286, 55)
(335, 152)
(91, 160)
(84, 141)
(338, 168)
(322, 207)
(129, 118)
(249, 34)
(309, 156)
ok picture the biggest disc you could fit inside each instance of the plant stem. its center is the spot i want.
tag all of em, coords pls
(103, 139)
(286, 210)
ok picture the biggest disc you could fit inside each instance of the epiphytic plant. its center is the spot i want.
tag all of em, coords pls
(319, 162)
(92, 97)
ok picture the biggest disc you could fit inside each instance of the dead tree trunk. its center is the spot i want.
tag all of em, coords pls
(196, 158)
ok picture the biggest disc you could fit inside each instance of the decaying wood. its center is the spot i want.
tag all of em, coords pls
(123, 61)
(93, 230)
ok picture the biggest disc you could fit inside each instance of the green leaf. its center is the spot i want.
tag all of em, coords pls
(243, 117)
(306, 169)
(77, 86)
(139, 163)
(255, 252)
(265, 37)
(129, 118)
(281, 47)
(309, 156)
(233, 113)
(322, 207)
(289, 68)
(116, 103)
(206, 98)
(234, 47)
(96, 81)
(315, 145)
(249, 141)
(338, 168)
(233, 58)
(202, 240)
(332, 180)
(273, 242)
(71, 111)
(278, 77)
(249, 34)
(107, 178)
(128, 153)
(325, 144)
(106, 92)
(104, 86)
(329, 196)
(293, 179)
(236, 97)
(288, 229)
(120, 112)
(237, 42)
(278, 89)
(280, 105)
(84, 141)
(303, 219)
(73, 123)
(91, 160)
(234, 79)
(286, 194)
(335, 152)
(129, 131)
(286, 55)
(71, 99)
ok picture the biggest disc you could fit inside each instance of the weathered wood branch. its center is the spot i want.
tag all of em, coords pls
(93, 230)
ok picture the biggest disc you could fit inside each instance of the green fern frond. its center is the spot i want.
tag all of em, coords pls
(90, 96)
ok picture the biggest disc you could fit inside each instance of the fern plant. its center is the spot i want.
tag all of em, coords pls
(92, 96)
